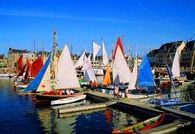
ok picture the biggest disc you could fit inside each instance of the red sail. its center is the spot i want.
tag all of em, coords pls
(19, 65)
(28, 68)
(36, 66)
(22, 71)
(118, 46)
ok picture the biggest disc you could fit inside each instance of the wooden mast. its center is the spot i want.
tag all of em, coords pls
(53, 60)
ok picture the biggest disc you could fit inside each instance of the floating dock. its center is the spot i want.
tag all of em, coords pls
(86, 107)
(107, 100)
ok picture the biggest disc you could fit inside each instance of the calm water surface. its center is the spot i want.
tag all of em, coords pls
(20, 114)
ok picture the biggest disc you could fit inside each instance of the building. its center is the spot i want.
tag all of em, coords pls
(165, 54)
(14, 54)
(3, 61)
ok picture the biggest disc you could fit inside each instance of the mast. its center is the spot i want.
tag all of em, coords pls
(53, 59)
(34, 47)
(193, 58)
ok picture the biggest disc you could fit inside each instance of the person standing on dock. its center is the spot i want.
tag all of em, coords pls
(116, 92)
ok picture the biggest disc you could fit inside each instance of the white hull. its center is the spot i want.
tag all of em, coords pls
(99, 72)
(6, 75)
(138, 96)
(21, 86)
(74, 104)
(68, 100)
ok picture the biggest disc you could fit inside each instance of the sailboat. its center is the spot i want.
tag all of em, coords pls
(105, 60)
(96, 49)
(176, 64)
(172, 100)
(36, 66)
(175, 70)
(106, 83)
(66, 78)
(19, 65)
(141, 81)
(81, 60)
(96, 65)
(56, 75)
(23, 78)
(107, 77)
(28, 73)
(120, 69)
(89, 74)
(99, 71)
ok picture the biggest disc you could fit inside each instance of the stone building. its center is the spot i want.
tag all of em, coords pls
(3, 61)
(165, 54)
(14, 54)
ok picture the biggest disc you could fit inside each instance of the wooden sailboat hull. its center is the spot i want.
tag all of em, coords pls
(54, 97)
(145, 125)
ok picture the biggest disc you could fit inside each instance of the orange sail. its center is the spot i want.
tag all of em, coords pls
(107, 79)
(36, 66)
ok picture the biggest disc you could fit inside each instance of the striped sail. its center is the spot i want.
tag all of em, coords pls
(121, 71)
(38, 80)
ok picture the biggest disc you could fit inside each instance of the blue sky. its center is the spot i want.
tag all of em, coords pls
(141, 24)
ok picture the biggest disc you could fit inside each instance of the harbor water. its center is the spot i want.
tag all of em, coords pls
(21, 114)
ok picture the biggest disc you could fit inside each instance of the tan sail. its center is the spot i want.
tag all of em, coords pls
(66, 74)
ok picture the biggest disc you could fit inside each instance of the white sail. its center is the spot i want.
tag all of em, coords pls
(66, 74)
(89, 57)
(176, 61)
(104, 54)
(133, 76)
(180, 48)
(81, 60)
(121, 71)
(89, 74)
(96, 49)
(176, 66)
